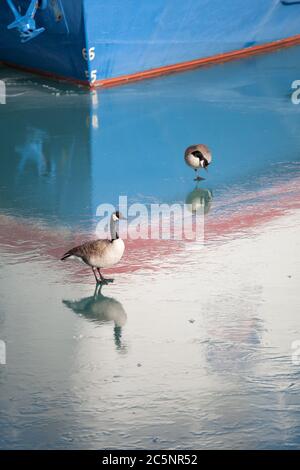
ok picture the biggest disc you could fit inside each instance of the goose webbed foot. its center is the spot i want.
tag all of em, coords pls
(199, 178)
(104, 281)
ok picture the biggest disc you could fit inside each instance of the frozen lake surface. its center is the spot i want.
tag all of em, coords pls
(191, 347)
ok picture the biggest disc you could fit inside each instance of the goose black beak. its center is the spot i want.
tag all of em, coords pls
(120, 216)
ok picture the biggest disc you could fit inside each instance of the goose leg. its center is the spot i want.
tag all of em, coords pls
(103, 279)
(94, 271)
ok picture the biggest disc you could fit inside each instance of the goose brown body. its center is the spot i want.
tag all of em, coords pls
(101, 253)
(98, 253)
(195, 154)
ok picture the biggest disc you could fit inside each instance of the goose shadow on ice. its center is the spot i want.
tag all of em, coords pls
(101, 309)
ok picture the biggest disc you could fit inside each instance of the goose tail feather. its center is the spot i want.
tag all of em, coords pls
(65, 256)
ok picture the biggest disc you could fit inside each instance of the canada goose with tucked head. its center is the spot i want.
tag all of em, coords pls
(197, 157)
(101, 253)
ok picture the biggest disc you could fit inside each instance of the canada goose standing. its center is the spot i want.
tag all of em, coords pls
(198, 156)
(102, 253)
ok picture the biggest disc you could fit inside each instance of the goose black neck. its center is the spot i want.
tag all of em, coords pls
(113, 230)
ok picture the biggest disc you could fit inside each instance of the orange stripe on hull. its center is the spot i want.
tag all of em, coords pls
(168, 69)
(193, 64)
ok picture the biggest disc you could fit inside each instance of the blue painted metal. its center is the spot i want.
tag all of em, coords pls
(25, 24)
(58, 50)
(135, 35)
(90, 40)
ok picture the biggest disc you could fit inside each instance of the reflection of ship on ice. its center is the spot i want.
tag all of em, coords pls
(57, 146)
(48, 156)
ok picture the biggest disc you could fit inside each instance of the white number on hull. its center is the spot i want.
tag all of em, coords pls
(90, 54)
(91, 76)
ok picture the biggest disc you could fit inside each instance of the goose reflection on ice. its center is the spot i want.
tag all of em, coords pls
(101, 309)
(200, 198)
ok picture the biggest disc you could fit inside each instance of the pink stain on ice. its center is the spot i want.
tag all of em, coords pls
(29, 240)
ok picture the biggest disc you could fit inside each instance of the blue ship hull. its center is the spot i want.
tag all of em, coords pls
(96, 42)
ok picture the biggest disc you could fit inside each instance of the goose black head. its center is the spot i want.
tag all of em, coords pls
(118, 216)
(203, 161)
